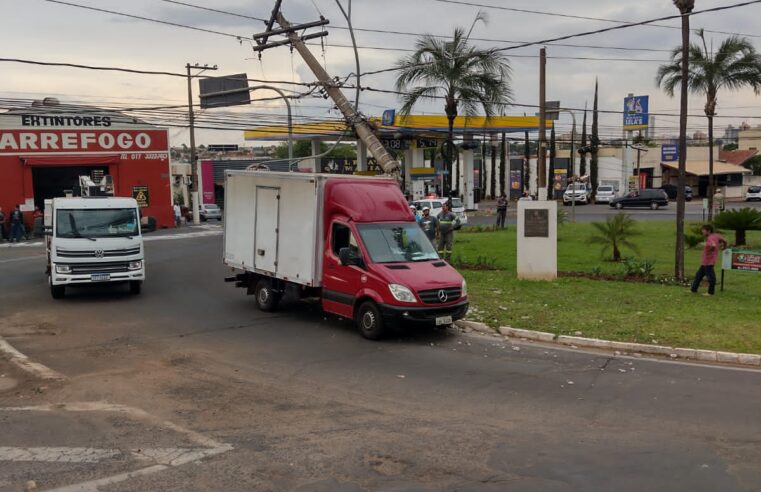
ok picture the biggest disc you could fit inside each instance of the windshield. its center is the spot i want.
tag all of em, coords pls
(754, 189)
(96, 222)
(605, 188)
(211, 207)
(577, 187)
(456, 203)
(391, 243)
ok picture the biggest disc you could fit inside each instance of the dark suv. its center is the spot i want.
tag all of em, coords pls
(671, 191)
(650, 198)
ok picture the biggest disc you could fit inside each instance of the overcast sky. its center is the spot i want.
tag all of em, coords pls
(40, 30)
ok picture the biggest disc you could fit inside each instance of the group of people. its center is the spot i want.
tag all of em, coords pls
(14, 230)
(441, 227)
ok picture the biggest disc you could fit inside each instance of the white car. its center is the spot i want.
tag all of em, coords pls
(605, 194)
(578, 193)
(210, 211)
(753, 193)
(458, 209)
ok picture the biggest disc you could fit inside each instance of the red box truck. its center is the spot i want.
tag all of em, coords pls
(349, 241)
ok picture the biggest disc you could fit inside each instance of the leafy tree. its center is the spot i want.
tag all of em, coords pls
(615, 233)
(303, 148)
(466, 77)
(583, 155)
(734, 65)
(594, 141)
(730, 147)
(739, 220)
(754, 164)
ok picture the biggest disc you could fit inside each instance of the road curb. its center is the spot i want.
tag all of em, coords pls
(25, 364)
(753, 360)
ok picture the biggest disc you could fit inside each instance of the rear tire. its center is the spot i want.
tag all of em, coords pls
(654, 206)
(619, 206)
(267, 298)
(369, 321)
(135, 286)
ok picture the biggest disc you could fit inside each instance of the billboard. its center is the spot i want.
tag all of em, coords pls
(669, 153)
(636, 112)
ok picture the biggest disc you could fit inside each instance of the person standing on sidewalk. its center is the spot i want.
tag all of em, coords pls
(446, 231)
(714, 243)
(17, 225)
(429, 224)
(177, 215)
(501, 211)
(2, 224)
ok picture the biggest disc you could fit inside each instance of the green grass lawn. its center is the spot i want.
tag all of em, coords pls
(614, 310)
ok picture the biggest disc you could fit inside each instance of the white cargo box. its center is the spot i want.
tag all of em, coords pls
(273, 224)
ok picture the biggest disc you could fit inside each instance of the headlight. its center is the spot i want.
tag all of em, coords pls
(401, 293)
(135, 265)
(464, 289)
(63, 269)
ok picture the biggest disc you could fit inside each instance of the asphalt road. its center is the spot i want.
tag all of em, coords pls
(596, 213)
(214, 395)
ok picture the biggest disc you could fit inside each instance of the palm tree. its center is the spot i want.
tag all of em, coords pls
(467, 78)
(736, 64)
(739, 220)
(615, 233)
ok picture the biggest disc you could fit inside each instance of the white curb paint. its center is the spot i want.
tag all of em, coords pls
(641, 348)
(164, 458)
(22, 362)
(57, 454)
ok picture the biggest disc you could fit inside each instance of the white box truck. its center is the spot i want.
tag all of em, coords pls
(350, 241)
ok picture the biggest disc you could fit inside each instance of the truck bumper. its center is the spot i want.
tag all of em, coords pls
(69, 279)
(423, 315)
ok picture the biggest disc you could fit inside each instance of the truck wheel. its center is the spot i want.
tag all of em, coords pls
(135, 286)
(369, 321)
(267, 298)
(57, 291)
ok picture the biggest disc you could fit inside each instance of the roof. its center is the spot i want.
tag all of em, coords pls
(95, 202)
(738, 157)
(700, 168)
(366, 200)
(418, 125)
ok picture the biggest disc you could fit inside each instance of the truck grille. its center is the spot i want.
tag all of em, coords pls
(97, 253)
(440, 296)
(90, 268)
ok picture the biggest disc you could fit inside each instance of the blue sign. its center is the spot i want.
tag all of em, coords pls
(388, 117)
(636, 112)
(670, 153)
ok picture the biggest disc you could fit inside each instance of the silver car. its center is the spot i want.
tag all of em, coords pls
(577, 193)
(605, 194)
(210, 211)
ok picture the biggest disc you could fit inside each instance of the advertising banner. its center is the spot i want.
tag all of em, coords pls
(669, 153)
(744, 260)
(207, 181)
(636, 112)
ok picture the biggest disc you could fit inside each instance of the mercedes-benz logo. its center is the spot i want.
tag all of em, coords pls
(99, 253)
(443, 295)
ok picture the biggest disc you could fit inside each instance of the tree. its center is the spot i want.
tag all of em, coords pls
(744, 219)
(493, 173)
(734, 65)
(551, 177)
(729, 147)
(594, 142)
(466, 77)
(615, 233)
(583, 155)
(754, 164)
(527, 163)
(303, 148)
(504, 164)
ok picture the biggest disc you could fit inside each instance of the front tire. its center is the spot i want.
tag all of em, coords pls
(135, 286)
(267, 298)
(654, 206)
(57, 291)
(369, 321)
(619, 206)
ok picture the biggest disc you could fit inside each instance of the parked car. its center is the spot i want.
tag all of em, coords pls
(753, 193)
(210, 211)
(605, 194)
(651, 198)
(577, 192)
(435, 205)
(671, 191)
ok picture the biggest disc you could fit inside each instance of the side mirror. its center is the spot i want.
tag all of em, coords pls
(349, 257)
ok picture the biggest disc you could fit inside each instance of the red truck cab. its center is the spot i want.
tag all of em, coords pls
(379, 268)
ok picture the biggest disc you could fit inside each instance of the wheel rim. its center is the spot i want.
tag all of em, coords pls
(368, 320)
(264, 296)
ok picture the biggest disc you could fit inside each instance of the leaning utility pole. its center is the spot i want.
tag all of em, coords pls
(541, 170)
(385, 160)
(193, 158)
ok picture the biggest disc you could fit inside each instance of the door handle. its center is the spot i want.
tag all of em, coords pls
(260, 252)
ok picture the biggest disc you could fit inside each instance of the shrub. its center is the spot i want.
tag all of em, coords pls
(615, 233)
(634, 267)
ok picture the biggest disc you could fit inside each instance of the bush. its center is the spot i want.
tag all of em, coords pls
(615, 233)
(481, 263)
(634, 267)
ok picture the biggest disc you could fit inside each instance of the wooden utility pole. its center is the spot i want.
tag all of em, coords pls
(385, 160)
(541, 170)
(194, 191)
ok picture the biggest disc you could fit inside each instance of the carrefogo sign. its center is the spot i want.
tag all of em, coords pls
(102, 140)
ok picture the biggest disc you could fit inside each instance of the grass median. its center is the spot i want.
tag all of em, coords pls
(626, 310)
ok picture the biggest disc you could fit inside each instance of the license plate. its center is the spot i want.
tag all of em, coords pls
(100, 277)
(443, 320)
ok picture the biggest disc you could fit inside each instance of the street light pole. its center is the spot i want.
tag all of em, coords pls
(193, 158)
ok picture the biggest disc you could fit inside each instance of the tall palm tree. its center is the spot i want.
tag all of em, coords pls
(467, 78)
(734, 65)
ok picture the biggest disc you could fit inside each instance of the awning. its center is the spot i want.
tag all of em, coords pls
(700, 168)
(70, 160)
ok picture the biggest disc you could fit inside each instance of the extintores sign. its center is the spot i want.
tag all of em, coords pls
(33, 141)
(142, 196)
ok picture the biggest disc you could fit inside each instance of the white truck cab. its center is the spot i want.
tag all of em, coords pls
(93, 240)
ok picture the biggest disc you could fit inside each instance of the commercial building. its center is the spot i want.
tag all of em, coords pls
(46, 147)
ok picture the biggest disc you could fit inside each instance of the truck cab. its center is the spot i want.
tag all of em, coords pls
(93, 240)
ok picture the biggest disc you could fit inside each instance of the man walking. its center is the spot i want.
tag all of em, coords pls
(501, 211)
(714, 243)
(17, 225)
(446, 231)
(429, 224)
(177, 215)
